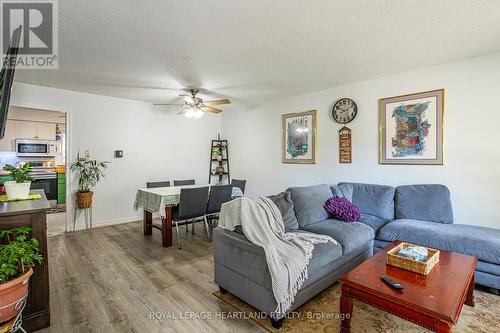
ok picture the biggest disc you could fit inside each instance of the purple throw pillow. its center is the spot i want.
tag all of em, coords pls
(342, 209)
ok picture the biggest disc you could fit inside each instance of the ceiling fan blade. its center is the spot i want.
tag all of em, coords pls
(160, 104)
(217, 102)
(212, 110)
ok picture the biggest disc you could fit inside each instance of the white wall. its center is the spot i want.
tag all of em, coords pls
(157, 144)
(472, 138)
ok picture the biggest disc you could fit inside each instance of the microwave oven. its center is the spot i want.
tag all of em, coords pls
(35, 148)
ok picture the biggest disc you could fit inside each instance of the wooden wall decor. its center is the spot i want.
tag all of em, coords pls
(345, 145)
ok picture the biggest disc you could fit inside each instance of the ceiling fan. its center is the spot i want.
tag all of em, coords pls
(195, 107)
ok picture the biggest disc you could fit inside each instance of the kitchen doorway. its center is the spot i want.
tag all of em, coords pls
(39, 137)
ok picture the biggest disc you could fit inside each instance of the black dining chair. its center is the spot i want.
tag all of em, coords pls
(219, 194)
(239, 183)
(192, 206)
(165, 183)
(184, 182)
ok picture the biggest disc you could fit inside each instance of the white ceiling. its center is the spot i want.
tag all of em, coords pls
(254, 51)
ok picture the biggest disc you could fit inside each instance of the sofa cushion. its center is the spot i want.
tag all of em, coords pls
(376, 200)
(482, 242)
(342, 191)
(323, 254)
(373, 221)
(350, 235)
(285, 204)
(308, 202)
(486, 267)
(429, 202)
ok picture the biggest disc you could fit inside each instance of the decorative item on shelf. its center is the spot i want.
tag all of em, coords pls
(422, 267)
(19, 253)
(58, 133)
(219, 170)
(411, 128)
(89, 173)
(343, 112)
(298, 143)
(345, 145)
(19, 187)
(219, 162)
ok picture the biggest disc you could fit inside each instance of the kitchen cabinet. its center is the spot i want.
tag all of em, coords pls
(24, 129)
(61, 188)
(45, 131)
(8, 143)
(5, 178)
(17, 129)
(34, 130)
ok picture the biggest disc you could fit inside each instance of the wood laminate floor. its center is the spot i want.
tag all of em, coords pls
(111, 279)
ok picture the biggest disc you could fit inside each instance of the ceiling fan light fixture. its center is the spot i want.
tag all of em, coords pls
(193, 112)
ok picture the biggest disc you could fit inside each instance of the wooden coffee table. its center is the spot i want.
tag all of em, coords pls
(433, 301)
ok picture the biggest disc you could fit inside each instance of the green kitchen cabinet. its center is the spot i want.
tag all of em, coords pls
(61, 188)
(5, 178)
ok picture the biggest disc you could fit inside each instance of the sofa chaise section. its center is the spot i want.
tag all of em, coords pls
(423, 215)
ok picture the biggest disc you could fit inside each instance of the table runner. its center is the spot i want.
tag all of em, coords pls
(31, 196)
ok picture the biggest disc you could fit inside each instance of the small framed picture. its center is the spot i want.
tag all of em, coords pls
(298, 137)
(411, 128)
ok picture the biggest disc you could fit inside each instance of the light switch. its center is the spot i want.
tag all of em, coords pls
(88, 154)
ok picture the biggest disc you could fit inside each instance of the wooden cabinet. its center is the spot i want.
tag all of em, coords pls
(32, 213)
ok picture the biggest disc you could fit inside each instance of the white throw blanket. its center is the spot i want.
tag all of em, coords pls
(287, 254)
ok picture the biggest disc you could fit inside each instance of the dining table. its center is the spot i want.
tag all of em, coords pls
(161, 200)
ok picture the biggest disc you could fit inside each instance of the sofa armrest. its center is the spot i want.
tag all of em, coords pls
(235, 252)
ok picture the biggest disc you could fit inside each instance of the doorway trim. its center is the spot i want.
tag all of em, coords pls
(69, 138)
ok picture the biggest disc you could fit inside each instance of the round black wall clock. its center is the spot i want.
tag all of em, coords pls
(344, 111)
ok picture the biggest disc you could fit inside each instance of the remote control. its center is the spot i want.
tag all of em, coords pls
(392, 283)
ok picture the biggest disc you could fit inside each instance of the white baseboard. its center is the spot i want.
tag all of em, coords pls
(81, 223)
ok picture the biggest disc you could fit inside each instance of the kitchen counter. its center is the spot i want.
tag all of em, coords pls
(24, 207)
(33, 214)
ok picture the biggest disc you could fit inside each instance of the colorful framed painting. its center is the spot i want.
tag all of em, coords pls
(411, 128)
(298, 137)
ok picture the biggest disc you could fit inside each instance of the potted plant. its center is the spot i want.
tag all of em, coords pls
(18, 253)
(89, 173)
(19, 188)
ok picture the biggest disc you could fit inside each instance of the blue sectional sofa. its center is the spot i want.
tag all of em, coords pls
(419, 214)
(423, 214)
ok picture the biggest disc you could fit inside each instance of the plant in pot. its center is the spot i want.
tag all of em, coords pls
(89, 173)
(19, 188)
(18, 254)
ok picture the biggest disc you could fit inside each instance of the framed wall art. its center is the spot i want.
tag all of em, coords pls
(298, 137)
(411, 128)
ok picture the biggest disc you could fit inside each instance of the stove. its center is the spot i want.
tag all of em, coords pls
(45, 178)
